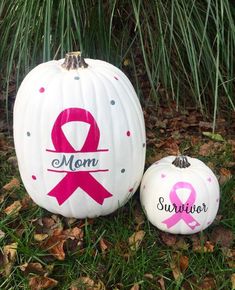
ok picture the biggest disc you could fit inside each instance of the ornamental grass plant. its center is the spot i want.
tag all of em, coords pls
(183, 47)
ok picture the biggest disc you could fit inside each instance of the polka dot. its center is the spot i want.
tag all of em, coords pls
(34, 177)
(209, 179)
(217, 200)
(128, 133)
(42, 90)
(209, 223)
(77, 78)
(28, 134)
(123, 170)
(112, 102)
(163, 175)
(116, 78)
(131, 189)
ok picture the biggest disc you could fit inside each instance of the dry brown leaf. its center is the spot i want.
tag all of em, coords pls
(136, 239)
(168, 239)
(74, 233)
(14, 208)
(176, 271)
(183, 263)
(27, 202)
(35, 268)
(161, 282)
(139, 218)
(225, 175)
(9, 256)
(222, 236)
(233, 281)
(205, 149)
(181, 244)
(207, 247)
(135, 287)
(103, 245)
(229, 256)
(55, 244)
(14, 183)
(83, 283)
(208, 283)
(171, 147)
(42, 282)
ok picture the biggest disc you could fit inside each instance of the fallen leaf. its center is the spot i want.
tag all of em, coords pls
(42, 282)
(14, 183)
(85, 283)
(181, 244)
(210, 148)
(229, 256)
(55, 244)
(139, 218)
(74, 233)
(233, 281)
(135, 287)
(161, 282)
(14, 208)
(35, 268)
(136, 239)
(168, 239)
(2, 234)
(208, 283)
(27, 202)
(183, 263)
(205, 149)
(40, 237)
(213, 136)
(207, 247)
(222, 236)
(225, 175)
(148, 276)
(103, 245)
(176, 271)
(9, 256)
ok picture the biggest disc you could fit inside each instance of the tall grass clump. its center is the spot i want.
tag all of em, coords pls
(185, 46)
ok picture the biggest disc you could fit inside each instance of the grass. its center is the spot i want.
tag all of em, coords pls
(119, 267)
(186, 47)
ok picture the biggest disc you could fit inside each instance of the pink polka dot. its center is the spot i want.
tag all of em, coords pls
(42, 90)
(116, 78)
(209, 179)
(34, 177)
(130, 190)
(163, 175)
(128, 133)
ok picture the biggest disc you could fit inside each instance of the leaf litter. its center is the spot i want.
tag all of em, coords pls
(168, 133)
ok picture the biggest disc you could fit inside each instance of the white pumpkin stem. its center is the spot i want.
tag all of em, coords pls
(74, 60)
(181, 161)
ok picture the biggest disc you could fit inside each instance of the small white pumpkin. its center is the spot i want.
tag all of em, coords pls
(180, 195)
(79, 136)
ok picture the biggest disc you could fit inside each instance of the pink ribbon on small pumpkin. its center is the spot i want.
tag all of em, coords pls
(83, 179)
(175, 200)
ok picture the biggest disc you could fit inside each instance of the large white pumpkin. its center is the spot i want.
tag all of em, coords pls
(180, 195)
(79, 136)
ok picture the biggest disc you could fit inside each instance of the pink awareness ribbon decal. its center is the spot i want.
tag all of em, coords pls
(75, 179)
(175, 200)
